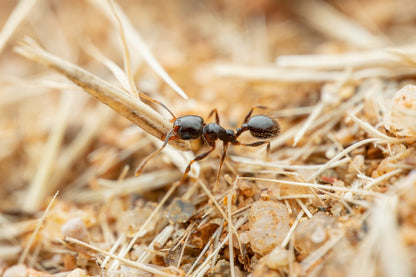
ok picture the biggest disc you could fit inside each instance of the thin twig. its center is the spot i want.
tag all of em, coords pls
(122, 260)
(36, 231)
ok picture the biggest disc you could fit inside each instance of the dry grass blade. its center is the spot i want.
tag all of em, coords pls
(139, 45)
(19, 13)
(117, 72)
(122, 260)
(230, 230)
(113, 249)
(371, 58)
(205, 266)
(342, 154)
(292, 229)
(211, 196)
(41, 184)
(138, 113)
(316, 186)
(329, 21)
(142, 231)
(283, 74)
(160, 240)
(126, 51)
(32, 238)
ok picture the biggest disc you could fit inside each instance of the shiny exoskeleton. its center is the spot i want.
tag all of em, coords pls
(190, 127)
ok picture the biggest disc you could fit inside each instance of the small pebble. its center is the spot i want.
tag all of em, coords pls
(400, 116)
(278, 258)
(78, 273)
(269, 225)
(74, 228)
(16, 271)
(180, 211)
(312, 233)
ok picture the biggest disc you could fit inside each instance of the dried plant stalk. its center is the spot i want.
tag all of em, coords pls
(138, 113)
(135, 41)
(13, 22)
(326, 19)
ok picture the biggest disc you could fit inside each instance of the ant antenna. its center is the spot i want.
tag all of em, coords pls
(148, 98)
(139, 170)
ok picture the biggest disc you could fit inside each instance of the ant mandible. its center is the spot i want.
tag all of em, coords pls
(191, 127)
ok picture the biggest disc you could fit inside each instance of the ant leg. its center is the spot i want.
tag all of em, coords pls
(243, 126)
(258, 143)
(248, 115)
(198, 158)
(148, 98)
(224, 153)
(217, 118)
(139, 170)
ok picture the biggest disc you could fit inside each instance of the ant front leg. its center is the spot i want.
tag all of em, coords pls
(198, 158)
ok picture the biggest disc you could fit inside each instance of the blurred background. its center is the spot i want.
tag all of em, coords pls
(229, 55)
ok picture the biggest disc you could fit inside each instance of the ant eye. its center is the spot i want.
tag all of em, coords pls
(261, 126)
(189, 127)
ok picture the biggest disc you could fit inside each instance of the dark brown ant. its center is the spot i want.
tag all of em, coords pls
(190, 127)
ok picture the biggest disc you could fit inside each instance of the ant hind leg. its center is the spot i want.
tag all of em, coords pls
(224, 153)
(248, 115)
(243, 127)
(259, 143)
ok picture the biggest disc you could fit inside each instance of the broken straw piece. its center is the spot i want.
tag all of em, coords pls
(400, 117)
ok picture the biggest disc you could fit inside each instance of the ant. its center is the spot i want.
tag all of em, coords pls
(191, 127)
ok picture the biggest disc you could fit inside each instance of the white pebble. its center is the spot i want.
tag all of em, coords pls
(16, 271)
(400, 117)
(269, 225)
(278, 258)
(74, 228)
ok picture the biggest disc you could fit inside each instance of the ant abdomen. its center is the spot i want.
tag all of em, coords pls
(264, 127)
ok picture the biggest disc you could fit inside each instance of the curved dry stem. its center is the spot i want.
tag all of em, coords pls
(129, 107)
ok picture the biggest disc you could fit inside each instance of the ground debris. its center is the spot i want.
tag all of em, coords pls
(332, 195)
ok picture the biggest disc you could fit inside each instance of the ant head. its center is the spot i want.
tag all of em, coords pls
(262, 126)
(189, 127)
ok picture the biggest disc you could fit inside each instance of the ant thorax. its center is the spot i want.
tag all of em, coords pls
(214, 131)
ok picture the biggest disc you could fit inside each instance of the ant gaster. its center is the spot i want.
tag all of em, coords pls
(190, 127)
